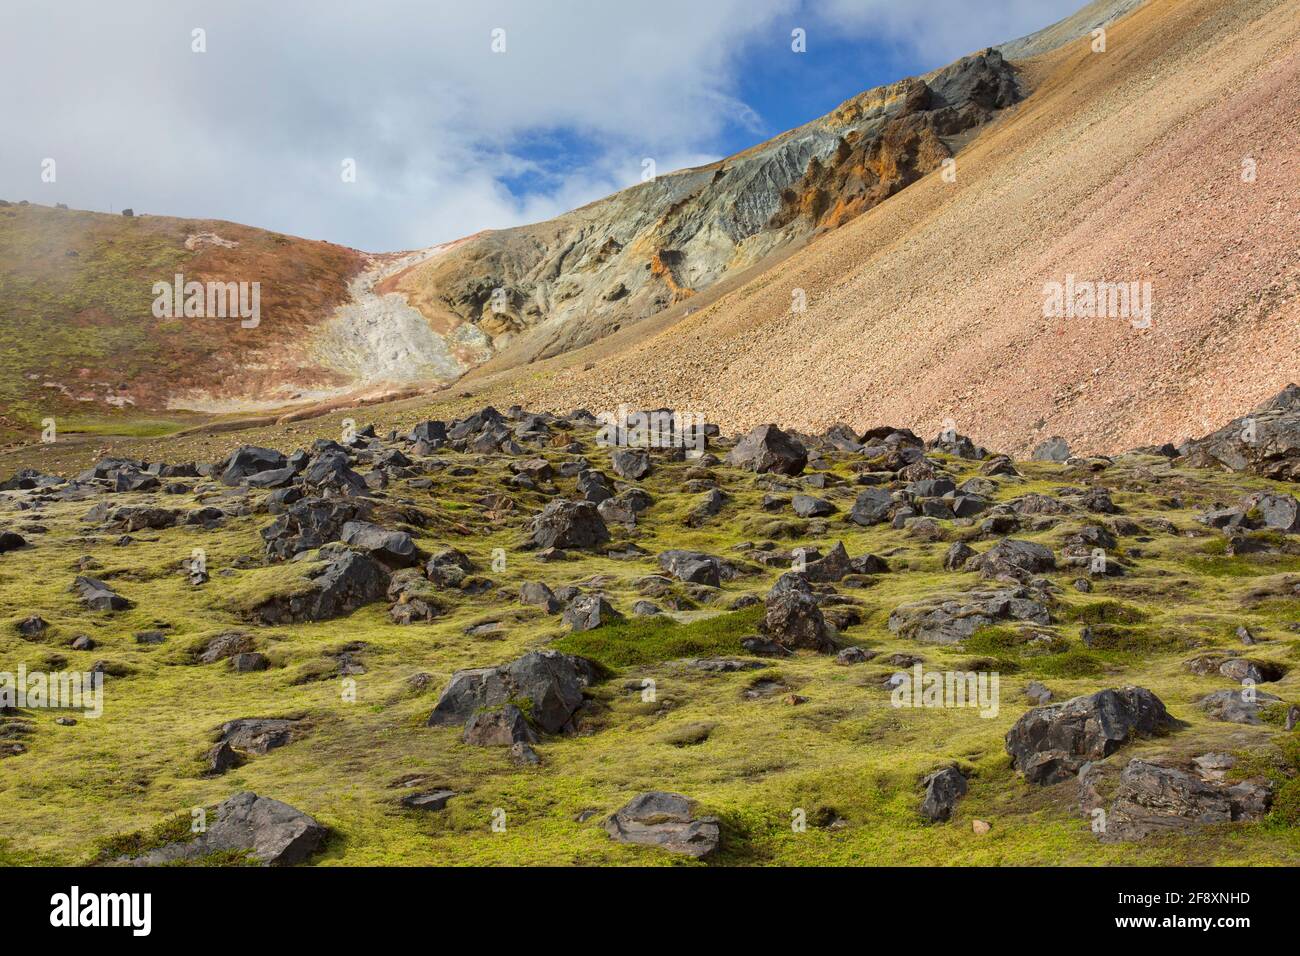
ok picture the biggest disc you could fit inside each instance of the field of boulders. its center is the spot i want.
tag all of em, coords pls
(519, 638)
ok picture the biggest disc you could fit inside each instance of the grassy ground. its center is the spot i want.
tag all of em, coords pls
(845, 753)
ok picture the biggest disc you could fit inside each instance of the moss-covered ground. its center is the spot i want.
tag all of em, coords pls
(845, 754)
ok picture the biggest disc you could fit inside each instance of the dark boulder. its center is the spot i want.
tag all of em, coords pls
(98, 596)
(552, 682)
(249, 662)
(768, 449)
(694, 567)
(134, 481)
(448, 568)
(631, 463)
(11, 541)
(29, 478)
(831, 568)
(569, 525)
(793, 618)
(221, 758)
(432, 800)
(396, 549)
(432, 434)
(249, 460)
(537, 594)
(348, 582)
(132, 519)
(32, 627)
(594, 486)
(942, 790)
(957, 556)
(587, 612)
(267, 831)
(1049, 744)
(871, 507)
(330, 471)
(272, 478)
(806, 506)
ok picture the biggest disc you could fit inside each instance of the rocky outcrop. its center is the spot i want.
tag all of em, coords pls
(1236, 706)
(308, 524)
(1012, 559)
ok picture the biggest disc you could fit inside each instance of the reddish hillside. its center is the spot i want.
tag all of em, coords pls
(81, 342)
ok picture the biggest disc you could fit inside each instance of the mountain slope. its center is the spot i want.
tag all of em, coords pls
(80, 342)
(1121, 166)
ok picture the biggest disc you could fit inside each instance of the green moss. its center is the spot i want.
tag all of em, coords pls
(1286, 803)
(129, 428)
(173, 830)
(648, 640)
(1104, 612)
(1274, 714)
(989, 640)
(11, 856)
(253, 588)
(1244, 565)
(845, 748)
(1075, 662)
(1138, 640)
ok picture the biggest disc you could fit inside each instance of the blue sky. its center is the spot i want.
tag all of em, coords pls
(448, 135)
